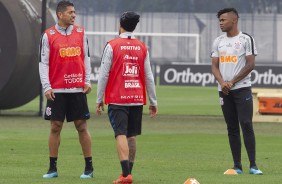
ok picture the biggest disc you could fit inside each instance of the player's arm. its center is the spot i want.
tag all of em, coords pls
(251, 52)
(104, 71)
(250, 65)
(44, 67)
(225, 85)
(150, 87)
(87, 65)
(215, 70)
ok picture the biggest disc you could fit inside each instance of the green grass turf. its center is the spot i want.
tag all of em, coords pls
(171, 149)
(172, 100)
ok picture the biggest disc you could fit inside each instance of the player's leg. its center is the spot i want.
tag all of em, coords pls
(123, 153)
(134, 129)
(231, 119)
(55, 138)
(118, 116)
(85, 142)
(245, 113)
(77, 111)
(132, 151)
(55, 112)
(84, 137)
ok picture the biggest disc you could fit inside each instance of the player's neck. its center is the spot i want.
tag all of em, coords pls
(233, 32)
(63, 25)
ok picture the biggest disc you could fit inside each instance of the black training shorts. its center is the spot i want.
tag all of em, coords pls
(73, 106)
(126, 120)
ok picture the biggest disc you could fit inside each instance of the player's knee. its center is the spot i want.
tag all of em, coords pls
(56, 129)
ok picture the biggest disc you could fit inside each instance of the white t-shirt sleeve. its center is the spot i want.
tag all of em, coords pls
(87, 63)
(44, 63)
(104, 71)
(214, 52)
(250, 46)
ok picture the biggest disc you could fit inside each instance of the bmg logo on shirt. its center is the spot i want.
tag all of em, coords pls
(130, 69)
(228, 59)
(70, 51)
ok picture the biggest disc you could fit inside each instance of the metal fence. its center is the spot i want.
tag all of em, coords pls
(265, 29)
(260, 18)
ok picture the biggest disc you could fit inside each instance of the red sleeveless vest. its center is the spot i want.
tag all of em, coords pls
(66, 58)
(126, 83)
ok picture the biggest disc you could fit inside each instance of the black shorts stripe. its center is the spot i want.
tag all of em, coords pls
(252, 43)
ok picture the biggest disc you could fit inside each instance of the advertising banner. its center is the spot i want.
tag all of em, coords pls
(200, 75)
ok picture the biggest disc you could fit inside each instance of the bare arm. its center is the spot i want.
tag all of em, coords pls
(215, 70)
(225, 85)
(250, 65)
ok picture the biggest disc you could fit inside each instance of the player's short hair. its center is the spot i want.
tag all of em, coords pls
(129, 20)
(62, 6)
(227, 10)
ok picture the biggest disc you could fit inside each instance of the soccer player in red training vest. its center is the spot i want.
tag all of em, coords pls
(125, 76)
(65, 76)
(233, 58)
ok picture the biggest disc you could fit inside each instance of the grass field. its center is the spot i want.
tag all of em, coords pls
(172, 100)
(187, 139)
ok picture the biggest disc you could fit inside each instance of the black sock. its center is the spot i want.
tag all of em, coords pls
(130, 166)
(125, 167)
(238, 165)
(53, 164)
(88, 164)
(253, 164)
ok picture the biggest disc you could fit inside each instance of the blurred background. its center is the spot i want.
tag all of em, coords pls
(259, 18)
(196, 19)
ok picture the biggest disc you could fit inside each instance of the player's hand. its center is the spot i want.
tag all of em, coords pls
(99, 108)
(153, 110)
(86, 89)
(50, 95)
(226, 86)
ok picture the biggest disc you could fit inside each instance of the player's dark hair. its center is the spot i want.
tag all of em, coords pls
(62, 6)
(227, 10)
(129, 20)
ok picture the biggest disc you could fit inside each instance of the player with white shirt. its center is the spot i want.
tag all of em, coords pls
(233, 59)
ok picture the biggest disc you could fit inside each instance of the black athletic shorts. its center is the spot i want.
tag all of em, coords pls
(73, 106)
(126, 120)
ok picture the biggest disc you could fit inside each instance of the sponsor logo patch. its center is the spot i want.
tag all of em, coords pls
(221, 102)
(132, 84)
(51, 32)
(48, 111)
(127, 47)
(73, 78)
(228, 59)
(79, 30)
(70, 52)
(130, 69)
